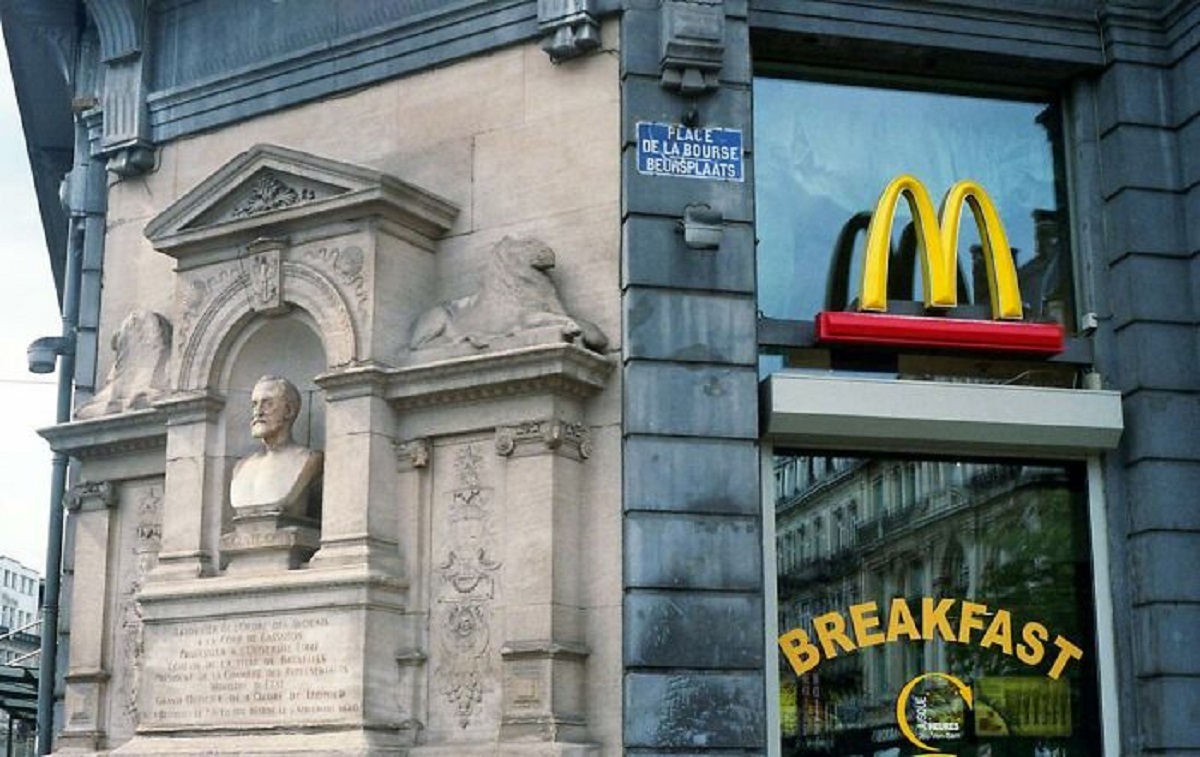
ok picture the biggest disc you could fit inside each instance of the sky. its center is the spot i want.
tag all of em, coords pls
(28, 310)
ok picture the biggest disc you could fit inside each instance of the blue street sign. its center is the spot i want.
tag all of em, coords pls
(690, 153)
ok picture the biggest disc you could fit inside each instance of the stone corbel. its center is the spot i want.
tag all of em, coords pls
(693, 45)
(90, 496)
(571, 440)
(125, 135)
(569, 28)
(412, 455)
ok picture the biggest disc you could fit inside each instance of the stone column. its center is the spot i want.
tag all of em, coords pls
(195, 478)
(359, 524)
(543, 654)
(90, 505)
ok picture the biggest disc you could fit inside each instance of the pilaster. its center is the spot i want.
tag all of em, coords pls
(359, 520)
(91, 505)
(543, 654)
(195, 476)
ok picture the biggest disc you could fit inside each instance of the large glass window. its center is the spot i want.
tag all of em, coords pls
(824, 152)
(959, 613)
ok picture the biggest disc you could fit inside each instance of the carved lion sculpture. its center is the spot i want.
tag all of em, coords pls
(516, 295)
(138, 375)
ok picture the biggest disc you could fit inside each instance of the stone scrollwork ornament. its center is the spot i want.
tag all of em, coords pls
(533, 437)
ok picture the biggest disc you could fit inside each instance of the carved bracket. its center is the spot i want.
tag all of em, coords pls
(569, 28)
(91, 495)
(541, 437)
(125, 138)
(693, 45)
(413, 454)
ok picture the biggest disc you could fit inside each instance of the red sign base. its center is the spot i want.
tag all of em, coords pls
(939, 333)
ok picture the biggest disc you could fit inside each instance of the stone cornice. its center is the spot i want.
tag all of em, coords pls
(109, 435)
(361, 380)
(563, 369)
(191, 407)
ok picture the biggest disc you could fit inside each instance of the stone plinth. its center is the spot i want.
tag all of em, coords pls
(266, 665)
(267, 541)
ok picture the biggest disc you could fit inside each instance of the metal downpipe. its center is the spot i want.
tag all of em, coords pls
(47, 670)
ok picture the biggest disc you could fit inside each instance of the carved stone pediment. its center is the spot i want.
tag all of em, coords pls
(269, 186)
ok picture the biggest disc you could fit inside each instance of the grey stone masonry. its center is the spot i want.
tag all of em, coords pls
(693, 631)
(1147, 134)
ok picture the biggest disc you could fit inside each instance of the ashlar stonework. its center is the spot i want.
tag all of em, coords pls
(387, 563)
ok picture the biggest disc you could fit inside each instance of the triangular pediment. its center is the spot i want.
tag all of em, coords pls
(275, 187)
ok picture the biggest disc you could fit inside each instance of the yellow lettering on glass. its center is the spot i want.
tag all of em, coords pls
(833, 634)
(937, 247)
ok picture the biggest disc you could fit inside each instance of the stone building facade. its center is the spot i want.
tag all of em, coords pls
(508, 253)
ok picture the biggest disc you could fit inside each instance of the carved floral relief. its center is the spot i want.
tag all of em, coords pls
(467, 574)
(267, 193)
(144, 553)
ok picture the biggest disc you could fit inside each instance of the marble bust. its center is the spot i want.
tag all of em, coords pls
(283, 476)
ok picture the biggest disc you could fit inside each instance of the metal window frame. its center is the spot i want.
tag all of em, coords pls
(873, 416)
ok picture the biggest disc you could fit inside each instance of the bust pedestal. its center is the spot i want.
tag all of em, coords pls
(266, 539)
(276, 524)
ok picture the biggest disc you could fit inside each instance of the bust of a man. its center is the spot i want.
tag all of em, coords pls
(283, 475)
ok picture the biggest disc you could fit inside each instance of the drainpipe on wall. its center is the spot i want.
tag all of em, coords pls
(63, 347)
(85, 199)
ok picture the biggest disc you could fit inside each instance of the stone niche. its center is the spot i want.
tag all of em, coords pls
(432, 604)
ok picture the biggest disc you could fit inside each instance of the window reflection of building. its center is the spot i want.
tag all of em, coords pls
(996, 533)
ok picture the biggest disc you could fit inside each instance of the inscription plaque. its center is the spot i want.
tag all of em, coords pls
(256, 670)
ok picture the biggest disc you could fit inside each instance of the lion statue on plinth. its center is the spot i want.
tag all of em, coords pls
(141, 348)
(516, 295)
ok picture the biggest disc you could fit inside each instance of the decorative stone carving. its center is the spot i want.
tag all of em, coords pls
(149, 537)
(91, 495)
(517, 304)
(125, 139)
(693, 44)
(263, 268)
(413, 453)
(275, 493)
(138, 375)
(539, 437)
(468, 586)
(283, 475)
(569, 28)
(269, 192)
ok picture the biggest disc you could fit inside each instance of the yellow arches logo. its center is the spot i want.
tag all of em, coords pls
(902, 708)
(937, 245)
(936, 237)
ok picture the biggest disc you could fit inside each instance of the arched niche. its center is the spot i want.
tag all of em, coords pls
(288, 346)
(207, 344)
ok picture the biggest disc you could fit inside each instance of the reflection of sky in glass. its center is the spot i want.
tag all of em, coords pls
(824, 153)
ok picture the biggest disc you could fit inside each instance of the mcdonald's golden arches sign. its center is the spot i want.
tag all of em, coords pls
(937, 245)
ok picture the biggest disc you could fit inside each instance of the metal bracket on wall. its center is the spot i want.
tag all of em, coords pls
(569, 28)
(693, 45)
(702, 227)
